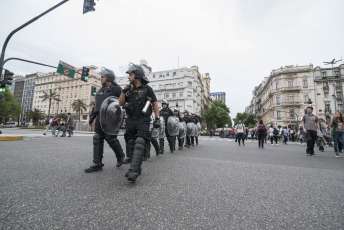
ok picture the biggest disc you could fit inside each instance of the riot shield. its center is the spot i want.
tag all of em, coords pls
(172, 125)
(162, 128)
(198, 129)
(190, 129)
(111, 116)
(182, 130)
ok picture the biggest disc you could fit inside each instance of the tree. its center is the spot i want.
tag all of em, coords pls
(249, 119)
(9, 108)
(51, 96)
(79, 105)
(217, 115)
(35, 115)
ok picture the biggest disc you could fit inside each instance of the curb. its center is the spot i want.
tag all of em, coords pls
(10, 138)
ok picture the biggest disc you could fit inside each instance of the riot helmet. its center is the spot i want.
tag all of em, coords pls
(186, 111)
(164, 101)
(176, 110)
(138, 71)
(109, 74)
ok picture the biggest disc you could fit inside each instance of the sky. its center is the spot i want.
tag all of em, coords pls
(238, 42)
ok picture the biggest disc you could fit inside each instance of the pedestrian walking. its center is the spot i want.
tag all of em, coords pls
(240, 130)
(285, 135)
(48, 125)
(310, 122)
(261, 134)
(337, 131)
(69, 125)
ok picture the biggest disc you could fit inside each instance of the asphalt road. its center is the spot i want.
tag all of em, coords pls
(215, 185)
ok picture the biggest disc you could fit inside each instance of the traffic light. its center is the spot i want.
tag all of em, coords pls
(8, 77)
(89, 6)
(1, 97)
(93, 91)
(84, 74)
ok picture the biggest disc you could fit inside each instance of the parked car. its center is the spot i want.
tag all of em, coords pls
(10, 125)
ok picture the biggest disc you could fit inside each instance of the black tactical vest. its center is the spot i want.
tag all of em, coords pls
(103, 93)
(137, 99)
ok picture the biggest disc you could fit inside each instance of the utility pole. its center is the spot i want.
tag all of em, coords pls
(334, 86)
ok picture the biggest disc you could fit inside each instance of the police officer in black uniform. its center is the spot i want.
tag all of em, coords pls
(165, 112)
(186, 119)
(134, 99)
(109, 88)
(195, 121)
(180, 140)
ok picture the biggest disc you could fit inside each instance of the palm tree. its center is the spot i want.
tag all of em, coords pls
(50, 96)
(35, 115)
(79, 105)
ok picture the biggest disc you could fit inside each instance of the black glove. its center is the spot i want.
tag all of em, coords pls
(156, 123)
(126, 88)
(91, 120)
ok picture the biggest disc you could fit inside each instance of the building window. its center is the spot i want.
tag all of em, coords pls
(84, 117)
(174, 85)
(167, 95)
(167, 74)
(291, 98)
(291, 113)
(279, 115)
(305, 98)
(189, 94)
(290, 84)
(189, 83)
(305, 83)
(180, 84)
(174, 73)
(278, 100)
(323, 74)
(181, 94)
(173, 95)
(277, 85)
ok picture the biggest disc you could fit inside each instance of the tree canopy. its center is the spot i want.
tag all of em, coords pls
(9, 108)
(50, 96)
(35, 115)
(217, 115)
(249, 119)
(79, 105)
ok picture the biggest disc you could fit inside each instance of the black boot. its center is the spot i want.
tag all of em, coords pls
(136, 163)
(129, 151)
(94, 168)
(161, 146)
(155, 145)
(117, 148)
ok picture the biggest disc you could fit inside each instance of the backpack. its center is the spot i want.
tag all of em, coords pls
(261, 129)
(275, 132)
(47, 122)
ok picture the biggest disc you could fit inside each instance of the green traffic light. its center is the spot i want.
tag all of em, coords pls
(2, 90)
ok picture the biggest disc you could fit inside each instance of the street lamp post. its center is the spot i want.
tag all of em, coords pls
(334, 86)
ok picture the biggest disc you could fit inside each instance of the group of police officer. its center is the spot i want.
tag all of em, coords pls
(139, 102)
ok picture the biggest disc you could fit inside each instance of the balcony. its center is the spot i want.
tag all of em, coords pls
(326, 88)
(328, 111)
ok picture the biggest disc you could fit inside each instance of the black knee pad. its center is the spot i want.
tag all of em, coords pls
(96, 138)
(140, 143)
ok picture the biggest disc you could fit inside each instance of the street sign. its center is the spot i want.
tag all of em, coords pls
(66, 69)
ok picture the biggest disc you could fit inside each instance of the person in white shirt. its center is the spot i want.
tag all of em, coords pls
(240, 130)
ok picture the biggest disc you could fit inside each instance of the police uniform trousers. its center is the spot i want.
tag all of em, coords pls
(180, 142)
(136, 135)
(171, 141)
(148, 146)
(98, 144)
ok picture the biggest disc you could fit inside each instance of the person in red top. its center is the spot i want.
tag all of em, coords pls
(55, 123)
